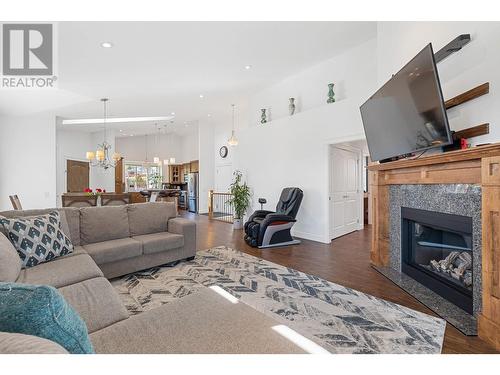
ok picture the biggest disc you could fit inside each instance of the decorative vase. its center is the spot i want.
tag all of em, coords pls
(291, 106)
(263, 116)
(331, 94)
(237, 224)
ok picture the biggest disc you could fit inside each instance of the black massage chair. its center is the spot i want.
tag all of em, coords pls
(270, 229)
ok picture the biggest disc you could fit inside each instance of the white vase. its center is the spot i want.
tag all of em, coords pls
(237, 224)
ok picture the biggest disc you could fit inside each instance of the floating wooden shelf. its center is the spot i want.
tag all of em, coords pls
(474, 93)
(474, 131)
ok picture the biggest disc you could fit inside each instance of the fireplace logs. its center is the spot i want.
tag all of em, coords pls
(457, 265)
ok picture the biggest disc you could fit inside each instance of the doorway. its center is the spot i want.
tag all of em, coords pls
(346, 191)
(77, 176)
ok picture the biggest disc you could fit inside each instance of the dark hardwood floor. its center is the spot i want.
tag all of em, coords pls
(344, 261)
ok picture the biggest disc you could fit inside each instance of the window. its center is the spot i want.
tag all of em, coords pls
(140, 176)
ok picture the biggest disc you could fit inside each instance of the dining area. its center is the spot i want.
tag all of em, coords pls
(94, 199)
(101, 198)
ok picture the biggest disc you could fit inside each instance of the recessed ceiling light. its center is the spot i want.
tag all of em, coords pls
(173, 113)
(202, 96)
(121, 130)
(209, 115)
(106, 44)
(248, 67)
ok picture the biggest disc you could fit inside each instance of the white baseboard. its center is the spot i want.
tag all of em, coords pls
(310, 236)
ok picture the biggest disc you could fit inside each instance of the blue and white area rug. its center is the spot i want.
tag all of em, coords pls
(340, 319)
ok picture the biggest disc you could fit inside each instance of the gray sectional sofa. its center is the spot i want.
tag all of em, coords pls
(117, 240)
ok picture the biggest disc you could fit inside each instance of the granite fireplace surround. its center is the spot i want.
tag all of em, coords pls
(457, 199)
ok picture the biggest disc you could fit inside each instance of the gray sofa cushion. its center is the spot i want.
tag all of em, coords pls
(61, 271)
(98, 224)
(157, 242)
(203, 322)
(145, 261)
(18, 343)
(96, 302)
(111, 251)
(10, 263)
(70, 223)
(146, 218)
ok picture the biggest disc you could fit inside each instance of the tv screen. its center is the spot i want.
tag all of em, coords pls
(407, 114)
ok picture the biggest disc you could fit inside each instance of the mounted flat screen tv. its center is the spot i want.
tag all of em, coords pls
(407, 114)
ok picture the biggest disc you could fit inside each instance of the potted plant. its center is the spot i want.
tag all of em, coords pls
(240, 199)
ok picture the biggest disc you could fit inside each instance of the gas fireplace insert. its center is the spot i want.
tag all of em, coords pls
(437, 252)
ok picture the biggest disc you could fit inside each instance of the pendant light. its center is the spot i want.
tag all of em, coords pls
(170, 160)
(156, 159)
(102, 157)
(233, 141)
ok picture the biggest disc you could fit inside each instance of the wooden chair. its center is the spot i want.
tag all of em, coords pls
(16, 203)
(115, 199)
(79, 200)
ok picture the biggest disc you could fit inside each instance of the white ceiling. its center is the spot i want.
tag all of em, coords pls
(156, 68)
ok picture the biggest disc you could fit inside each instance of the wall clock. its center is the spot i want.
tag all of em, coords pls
(223, 151)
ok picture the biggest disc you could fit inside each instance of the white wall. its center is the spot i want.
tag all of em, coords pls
(190, 146)
(138, 148)
(476, 63)
(206, 158)
(223, 166)
(353, 72)
(293, 151)
(28, 160)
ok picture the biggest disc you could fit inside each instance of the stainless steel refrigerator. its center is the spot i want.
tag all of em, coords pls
(193, 194)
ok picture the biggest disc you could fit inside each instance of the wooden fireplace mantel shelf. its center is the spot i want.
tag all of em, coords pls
(477, 165)
(447, 157)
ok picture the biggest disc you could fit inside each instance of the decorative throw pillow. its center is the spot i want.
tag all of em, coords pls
(37, 239)
(40, 310)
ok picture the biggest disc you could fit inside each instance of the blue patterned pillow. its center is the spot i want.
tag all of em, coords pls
(40, 310)
(37, 239)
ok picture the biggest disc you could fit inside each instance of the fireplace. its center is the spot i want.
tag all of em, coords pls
(436, 250)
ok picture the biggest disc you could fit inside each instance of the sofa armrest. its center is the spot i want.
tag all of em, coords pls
(187, 228)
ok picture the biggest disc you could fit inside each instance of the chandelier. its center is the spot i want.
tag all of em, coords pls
(101, 157)
(233, 141)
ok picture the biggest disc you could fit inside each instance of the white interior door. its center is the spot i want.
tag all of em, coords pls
(344, 191)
